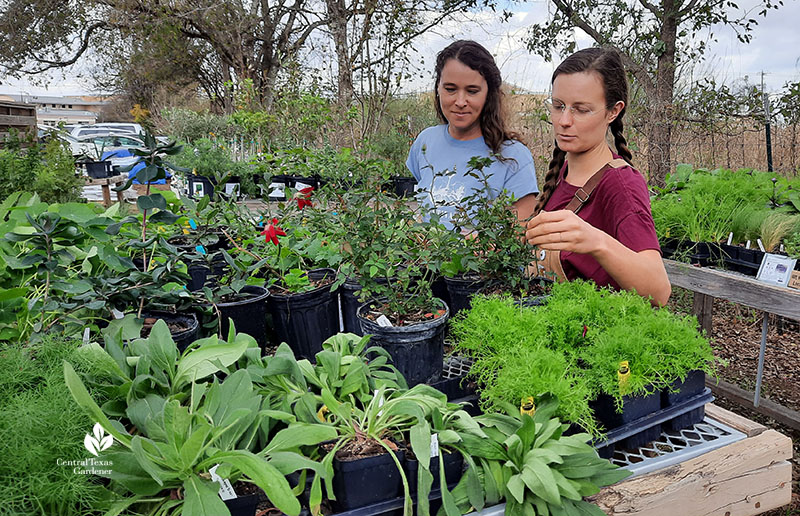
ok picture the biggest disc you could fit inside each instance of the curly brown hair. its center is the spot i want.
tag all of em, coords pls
(491, 119)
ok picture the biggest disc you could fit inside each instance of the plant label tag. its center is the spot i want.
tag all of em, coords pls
(730, 237)
(380, 401)
(226, 491)
(200, 249)
(86, 333)
(383, 321)
(747, 245)
(794, 281)
(776, 269)
(192, 224)
(760, 245)
(434, 445)
(117, 314)
(299, 186)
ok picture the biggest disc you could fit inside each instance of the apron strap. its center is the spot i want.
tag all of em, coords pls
(549, 262)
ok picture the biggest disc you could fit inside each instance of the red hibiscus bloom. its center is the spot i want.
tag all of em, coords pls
(307, 191)
(272, 232)
(302, 203)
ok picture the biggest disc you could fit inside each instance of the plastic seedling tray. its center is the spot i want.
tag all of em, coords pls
(605, 447)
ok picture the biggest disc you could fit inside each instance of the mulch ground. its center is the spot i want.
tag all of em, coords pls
(736, 337)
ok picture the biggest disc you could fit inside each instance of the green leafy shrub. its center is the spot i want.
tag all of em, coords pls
(573, 346)
(48, 171)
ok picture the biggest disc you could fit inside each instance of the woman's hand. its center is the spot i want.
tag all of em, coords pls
(563, 230)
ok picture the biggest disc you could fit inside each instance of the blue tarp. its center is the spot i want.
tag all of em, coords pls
(124, 153)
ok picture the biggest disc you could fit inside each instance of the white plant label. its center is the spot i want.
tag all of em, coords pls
(226, 491)
(760, 245)
(434, 445)
(380, 401)
(747, 245)
(730, 237)
(299, 186)
(776, 269)
(117, 314)
(383, 321)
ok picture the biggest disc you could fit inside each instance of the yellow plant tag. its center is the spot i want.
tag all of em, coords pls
(623, 375)
(527, 406)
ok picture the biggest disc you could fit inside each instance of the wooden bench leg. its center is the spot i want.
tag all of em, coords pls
(703, 308)
(106, 195)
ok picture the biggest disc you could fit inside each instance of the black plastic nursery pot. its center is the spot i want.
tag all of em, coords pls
(453, 469)
(366, 481)
(306, 320)
(201, 274)
(404, 186)
(201, 186)
(633, 408)
(182, 337)
(249, 314)
(350, 304)
(461, 289)
(98, 169)
(692, 385)
(243, 505)
(417, 350)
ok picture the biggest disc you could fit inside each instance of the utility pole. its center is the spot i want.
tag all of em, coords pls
(766, 116)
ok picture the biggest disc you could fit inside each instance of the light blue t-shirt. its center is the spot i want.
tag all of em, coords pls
(435, 151)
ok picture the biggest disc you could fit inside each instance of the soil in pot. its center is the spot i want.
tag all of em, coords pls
(417, 349)
(184, 328)
(364, 473)
(305, 320)
(248, 312)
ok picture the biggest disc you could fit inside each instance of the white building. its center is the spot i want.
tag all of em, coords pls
(70, 110)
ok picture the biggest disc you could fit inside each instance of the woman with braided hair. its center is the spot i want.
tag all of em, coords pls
(592, 219)
(468, 99)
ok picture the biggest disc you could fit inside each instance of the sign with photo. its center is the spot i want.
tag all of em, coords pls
(776, 269)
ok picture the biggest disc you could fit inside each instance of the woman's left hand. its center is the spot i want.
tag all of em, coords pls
(563, 230)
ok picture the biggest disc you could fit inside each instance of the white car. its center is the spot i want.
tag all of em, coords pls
(79, 131)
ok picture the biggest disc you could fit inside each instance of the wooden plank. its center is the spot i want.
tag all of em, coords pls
(741, 479)
(703, 309)
(735, 421)
(17, 120)
(739, 289)
(776, 411)
(106, 180)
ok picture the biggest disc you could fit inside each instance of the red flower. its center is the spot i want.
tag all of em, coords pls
(272, 232)
(302, 199)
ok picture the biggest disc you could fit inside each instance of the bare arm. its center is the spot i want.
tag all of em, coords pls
(524, 207)
(641, 271)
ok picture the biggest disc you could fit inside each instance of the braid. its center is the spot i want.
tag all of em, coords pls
(550, 179)
(619, 139)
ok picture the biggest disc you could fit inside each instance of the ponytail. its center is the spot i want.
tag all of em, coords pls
(550, 179)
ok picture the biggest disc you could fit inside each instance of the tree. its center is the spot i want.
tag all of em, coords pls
(653, 38)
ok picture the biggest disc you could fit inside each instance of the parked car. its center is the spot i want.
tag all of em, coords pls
(117, 127)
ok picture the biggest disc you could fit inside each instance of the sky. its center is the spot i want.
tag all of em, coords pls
(775, 50)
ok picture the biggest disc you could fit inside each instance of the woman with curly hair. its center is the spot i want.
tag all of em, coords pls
(592, 218)
(468, 99)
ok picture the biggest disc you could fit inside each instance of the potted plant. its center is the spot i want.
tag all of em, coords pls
(493, 254)
(530, 463)
(219, 429)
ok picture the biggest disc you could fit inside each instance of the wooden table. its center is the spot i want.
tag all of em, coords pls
(105, 185)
